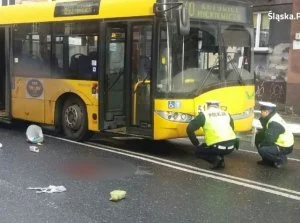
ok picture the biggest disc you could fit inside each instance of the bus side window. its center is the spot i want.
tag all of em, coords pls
(83, 62)
(32, 49)
(84, 67)
(76, 50)
(74, 62)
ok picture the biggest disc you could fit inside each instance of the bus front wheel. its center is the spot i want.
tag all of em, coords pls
(74, 119)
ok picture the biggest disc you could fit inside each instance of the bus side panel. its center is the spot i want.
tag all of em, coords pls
(92, 123)
(84, 90)
(28, 100)
(28, 109)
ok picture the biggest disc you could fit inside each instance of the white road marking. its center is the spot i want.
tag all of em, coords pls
(198, 169)
(243, 150)
(249, 151)
(292, 194)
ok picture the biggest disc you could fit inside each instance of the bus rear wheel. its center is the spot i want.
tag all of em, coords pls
(74, 119)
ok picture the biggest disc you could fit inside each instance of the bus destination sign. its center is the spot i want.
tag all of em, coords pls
(217, 11)
(77, 8)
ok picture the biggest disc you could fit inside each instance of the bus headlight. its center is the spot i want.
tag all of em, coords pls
(175, 116)
(247, 113)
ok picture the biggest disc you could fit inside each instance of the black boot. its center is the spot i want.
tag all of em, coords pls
(218, 163)
(278, 165)
(280, 162)
(265, 163)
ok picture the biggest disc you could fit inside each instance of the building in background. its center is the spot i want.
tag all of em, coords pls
(271, 49)
(293, 75)
(277, 52)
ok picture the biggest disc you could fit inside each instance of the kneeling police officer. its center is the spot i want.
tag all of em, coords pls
(219, 136)
(275, 140)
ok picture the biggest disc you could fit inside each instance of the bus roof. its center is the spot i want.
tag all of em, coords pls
(62, 11)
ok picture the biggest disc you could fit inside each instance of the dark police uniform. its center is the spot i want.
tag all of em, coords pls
(220, 138)
(275, 140)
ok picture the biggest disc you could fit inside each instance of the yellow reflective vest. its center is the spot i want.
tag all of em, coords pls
(217, 126)
(285, 139)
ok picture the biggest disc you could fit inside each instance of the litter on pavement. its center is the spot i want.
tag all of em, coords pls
(34, 149)
(34, 134)
(51, 189)
(117, 195)
(0, 145)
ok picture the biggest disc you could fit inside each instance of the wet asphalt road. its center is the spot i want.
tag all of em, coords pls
(163, 180)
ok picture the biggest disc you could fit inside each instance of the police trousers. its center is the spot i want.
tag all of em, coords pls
(274, 153)
(271, 153)
(210, 153)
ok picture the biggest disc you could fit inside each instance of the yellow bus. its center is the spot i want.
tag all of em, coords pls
(141, 68)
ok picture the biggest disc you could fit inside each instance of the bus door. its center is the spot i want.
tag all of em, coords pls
(140, 76)
(2, 68)
(112, 105)
(3, 74)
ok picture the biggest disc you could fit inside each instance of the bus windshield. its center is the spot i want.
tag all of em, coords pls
(211, 56)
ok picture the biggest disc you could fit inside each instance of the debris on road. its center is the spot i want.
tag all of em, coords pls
(34, 149)
(117, 195)
(1, 145)
(49, 190)
(34, 134)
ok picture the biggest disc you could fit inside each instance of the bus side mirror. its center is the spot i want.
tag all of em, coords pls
(183, 21)
(159, 9)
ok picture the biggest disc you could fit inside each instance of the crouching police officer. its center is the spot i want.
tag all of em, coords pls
(219, 138)
(275, 140)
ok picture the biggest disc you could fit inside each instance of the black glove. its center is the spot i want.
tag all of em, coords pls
(237, 143)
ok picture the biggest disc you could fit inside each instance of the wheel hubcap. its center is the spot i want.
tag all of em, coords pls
(73, 117)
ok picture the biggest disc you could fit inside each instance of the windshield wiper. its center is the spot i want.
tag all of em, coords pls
(210, 71)
(235, 69)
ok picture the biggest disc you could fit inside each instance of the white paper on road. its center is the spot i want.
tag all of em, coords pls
(34, 149)
(49, 190)
(0, 145)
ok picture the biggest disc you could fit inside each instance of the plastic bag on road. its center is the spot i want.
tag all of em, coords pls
(117, 195)
(51, 189)
(34, 134)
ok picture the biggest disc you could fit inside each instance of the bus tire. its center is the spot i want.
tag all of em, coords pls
(74, 119)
